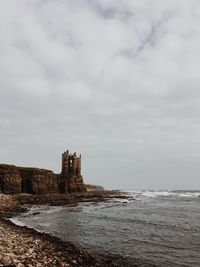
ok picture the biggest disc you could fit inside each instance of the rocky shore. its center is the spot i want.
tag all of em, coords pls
(24, 247)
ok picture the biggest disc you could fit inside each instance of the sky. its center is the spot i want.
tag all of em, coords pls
(115, 80)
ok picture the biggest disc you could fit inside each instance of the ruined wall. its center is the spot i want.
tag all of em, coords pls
(75, 184)
(71, 184)
(71, 179)
(80, 184)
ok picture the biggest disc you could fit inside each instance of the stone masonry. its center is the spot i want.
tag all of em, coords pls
(71, 178)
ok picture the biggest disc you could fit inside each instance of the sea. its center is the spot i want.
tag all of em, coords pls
(156, 227)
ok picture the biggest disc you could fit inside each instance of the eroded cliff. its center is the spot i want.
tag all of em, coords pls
(10, 179)
(14, 179)
(38, 181)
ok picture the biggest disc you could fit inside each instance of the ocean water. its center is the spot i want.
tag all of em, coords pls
(159, 227)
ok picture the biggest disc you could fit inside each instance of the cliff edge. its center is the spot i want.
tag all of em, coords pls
(14, 179)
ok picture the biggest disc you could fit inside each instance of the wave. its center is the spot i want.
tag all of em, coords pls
(165, 193)
(17, 221)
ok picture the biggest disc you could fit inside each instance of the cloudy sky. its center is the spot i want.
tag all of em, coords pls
(116, 80)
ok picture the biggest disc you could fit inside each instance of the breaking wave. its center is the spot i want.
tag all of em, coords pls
(165, 193)
(162, 227)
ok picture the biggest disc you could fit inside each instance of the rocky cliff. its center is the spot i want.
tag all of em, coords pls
(10, 179)
(14, 180)
(38, 181)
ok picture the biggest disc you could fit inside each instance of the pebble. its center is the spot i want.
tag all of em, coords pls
(22, 247)
(30, 250)
(79, 260)
(6, 260)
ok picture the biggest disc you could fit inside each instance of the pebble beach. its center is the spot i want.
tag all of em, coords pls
(24, 247)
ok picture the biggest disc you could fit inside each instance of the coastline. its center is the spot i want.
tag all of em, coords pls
(21, 246)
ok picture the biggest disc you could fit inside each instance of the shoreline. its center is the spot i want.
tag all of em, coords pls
(21, 246)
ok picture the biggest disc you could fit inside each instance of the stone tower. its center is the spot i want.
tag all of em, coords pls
(71, 178)
(78, 168)
(65, 163)
(71, 164)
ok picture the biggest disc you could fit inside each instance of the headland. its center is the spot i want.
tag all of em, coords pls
(21, 187)
(16, 180)
(21, 246)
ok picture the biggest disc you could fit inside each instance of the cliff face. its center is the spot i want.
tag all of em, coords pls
(71, 185)
(15, 180)
(10, 179)
(38, 181)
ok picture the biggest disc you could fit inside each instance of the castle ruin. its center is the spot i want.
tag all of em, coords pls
(14, 179)
(71, 164)
(71, 179)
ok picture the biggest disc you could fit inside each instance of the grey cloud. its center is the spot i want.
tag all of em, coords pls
(111, 11)
(69, 79)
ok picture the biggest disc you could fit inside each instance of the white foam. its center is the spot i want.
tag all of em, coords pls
(164, 193)
(17, 222)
